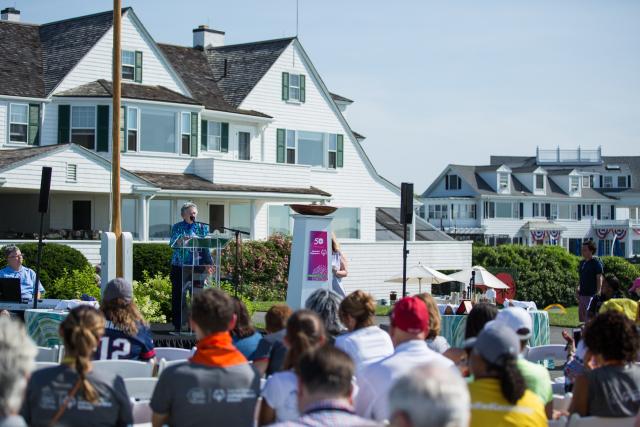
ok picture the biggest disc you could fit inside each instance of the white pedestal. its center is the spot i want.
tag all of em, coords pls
(108, 257)
(310, 263)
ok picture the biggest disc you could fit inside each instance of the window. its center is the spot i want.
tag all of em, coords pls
(574, 184)
(158, 131)
(83, 126)
(564, 211)
(214, 136)
(453, 182)
(346, 223)
(438, 212)
(622, 182)
(291, 146)
(128, 65)
(132, 129)
(129, 216)
(575, 212)
(310, 148)
(608, 182)
(244, 146)
(503, 181)
(587, 210)
(539, 181)
(636, 247)
(333, 150)
(553, 211)
(185, 133)
(19, 123)
(504, 210)
(160, 220)
(294, 87)
(538, 210)
(240, 216)
(463, 211)
(586, 181)
(279, 220)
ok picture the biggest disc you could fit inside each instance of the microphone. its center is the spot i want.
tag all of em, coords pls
(192, 218)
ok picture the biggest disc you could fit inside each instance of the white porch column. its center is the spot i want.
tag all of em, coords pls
(629, 241)
(252, 216)
(143, 223)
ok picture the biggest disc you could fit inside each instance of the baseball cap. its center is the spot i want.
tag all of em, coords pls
(518, 319)
(495, 342)
(410, 315)
(635, 285)
(118, 288)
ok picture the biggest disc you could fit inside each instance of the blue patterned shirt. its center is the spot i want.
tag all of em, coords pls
(329, 413)
(27, 278)
(185, 256)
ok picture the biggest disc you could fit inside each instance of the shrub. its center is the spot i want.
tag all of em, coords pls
(153, 296)
(228, 288)
(623, 269)
(154, 258)
(57, 261)
(72, 285)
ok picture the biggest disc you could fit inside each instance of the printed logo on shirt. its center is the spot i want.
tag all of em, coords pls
(218, 395)
(197, 396)
(200, 396)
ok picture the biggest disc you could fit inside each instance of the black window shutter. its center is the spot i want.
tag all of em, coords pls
(64, 123)
(591, 181)
(303, 91)
(339, 150)
(446, 182)
(599, 211)
(280, 144)
(579, 212)
(629, 181)
(194, 134)
(600, 181)
(204, 132)
(224, 137)
(285, 86)
(613, 212)
(34, 124)
(138, 69)
(102, 136)
(521, 210)
(547, 210)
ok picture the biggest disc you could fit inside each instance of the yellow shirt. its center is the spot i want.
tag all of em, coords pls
(489, 408)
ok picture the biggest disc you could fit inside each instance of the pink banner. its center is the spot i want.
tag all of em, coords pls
(318, 257)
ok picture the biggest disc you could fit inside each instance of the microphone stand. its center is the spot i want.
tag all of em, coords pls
(237, 276)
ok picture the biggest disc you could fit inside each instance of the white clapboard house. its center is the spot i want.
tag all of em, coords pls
(242, 130)
(560, 197)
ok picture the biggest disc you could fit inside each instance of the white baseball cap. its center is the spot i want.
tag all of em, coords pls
(518, 320)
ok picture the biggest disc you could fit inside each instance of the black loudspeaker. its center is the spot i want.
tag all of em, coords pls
(45, 186)
(406, 202)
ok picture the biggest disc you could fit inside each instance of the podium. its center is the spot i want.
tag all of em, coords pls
(195, 253)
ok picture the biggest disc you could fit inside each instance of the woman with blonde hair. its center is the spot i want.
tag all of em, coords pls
(435, 341)
(72, 394)
(338, 267)
(365, 342)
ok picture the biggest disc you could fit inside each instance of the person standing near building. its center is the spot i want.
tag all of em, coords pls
(338, 266)
(591, 277)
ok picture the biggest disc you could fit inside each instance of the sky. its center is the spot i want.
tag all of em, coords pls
(439, 82)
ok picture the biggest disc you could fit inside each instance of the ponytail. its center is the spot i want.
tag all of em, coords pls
(512, 382)
(305, 331)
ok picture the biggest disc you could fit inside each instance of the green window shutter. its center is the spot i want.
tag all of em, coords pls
(194, 134)
(123, 129)
(204, 132)
(34, 124)
(285, 86)
(302, 88)
(280, 143)
(64, 123)
(224, 137)
(340, 151)
(103, 128)
(138, 69)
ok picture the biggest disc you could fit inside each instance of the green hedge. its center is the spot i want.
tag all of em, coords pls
(625, 271)
(56, 258)
(154, 258)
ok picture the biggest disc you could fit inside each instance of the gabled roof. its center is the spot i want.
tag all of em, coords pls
(246, 64)
(104, 89)
(389, 227)
(21, 60)
(192, 66)
(340, 98)
(9, 158)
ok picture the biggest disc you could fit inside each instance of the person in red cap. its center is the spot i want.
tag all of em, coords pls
(409, 328)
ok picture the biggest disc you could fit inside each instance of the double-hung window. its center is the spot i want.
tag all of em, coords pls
(453, 182)
(333, 150)
(157, 131)
(574, 184)
(622, 182)
(608, 182)
(132, 129)
(214, 135)
(294, 87)
(586, 181)
(18, 123)
(503, 181)
(83, 126)
(438, 212)
(185, 133)
(540, 182)
(128, 65)
(291, 146)
(310, 148)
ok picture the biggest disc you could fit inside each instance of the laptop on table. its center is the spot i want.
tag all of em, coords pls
(10, 290)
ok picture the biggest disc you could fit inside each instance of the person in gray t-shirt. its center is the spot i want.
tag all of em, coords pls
(217, 386)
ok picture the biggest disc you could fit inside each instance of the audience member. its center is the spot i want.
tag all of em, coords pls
(15, 270)
(479, 315)
(245, 336)
(326, 304)
(324, 395)
(271, 351)
(612, 388)
(17, 357)
(126, 335)
(217, 386)
(536, 376)
(610, 290)
(305, 332)
(435, 341)
(72, 394)
(590, 273)
(460, 358)
(408, 330)
(366, 342)
(429, 397)
(499, 396)
(576, 361)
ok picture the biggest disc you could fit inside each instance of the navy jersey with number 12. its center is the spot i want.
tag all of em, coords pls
(116, 344)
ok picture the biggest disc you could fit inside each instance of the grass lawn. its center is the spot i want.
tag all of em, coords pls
(568, 320)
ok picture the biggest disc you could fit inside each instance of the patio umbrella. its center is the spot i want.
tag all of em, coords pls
(422, 274)
(483, 278)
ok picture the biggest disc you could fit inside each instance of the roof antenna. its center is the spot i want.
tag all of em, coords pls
(297, 15)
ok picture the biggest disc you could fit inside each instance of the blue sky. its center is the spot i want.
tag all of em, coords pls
(438, 82)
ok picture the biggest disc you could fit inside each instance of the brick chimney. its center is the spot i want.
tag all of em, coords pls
(10, 14)
(203, 37)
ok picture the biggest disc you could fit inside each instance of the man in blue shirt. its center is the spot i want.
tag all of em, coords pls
(16, 270)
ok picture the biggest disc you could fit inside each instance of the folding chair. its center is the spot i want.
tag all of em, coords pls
(48, 354)
(140, 388)
(124, 368)
(170, 353)
(578, 421)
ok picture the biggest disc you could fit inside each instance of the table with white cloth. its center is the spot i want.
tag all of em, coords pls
(43, 325)
(452, 328)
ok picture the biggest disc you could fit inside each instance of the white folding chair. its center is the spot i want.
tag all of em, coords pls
(124, 368)
(560, 422)
(43, 365)
(172, 353)
(164, 364)
(561, 402)
(141, 412)
(48, 354)
(140, 388)
(578, 421)
(556, 352)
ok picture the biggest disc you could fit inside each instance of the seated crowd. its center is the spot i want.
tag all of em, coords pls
(326, 365)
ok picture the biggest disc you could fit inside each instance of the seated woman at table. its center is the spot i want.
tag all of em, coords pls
(15, 270)
(126, 334)
(435, 341)
(612, 387)
(72, 393)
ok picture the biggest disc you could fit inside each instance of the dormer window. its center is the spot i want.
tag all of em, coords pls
(574, 184)
(539, 182)
(453, 182)
(503, 181)
(131, 65)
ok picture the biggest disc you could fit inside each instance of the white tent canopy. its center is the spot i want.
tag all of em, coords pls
(483, 277)
(421, 274)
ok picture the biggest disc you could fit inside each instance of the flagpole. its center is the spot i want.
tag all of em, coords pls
(116, 226)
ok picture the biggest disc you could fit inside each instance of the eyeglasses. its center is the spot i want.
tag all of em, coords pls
(16, 256)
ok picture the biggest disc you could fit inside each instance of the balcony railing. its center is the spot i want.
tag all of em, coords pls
(577, 156)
